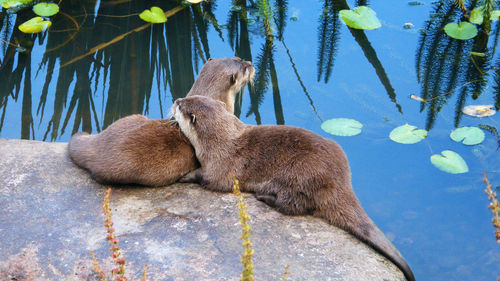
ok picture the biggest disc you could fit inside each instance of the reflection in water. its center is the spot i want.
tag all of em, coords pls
(10, 77)
(167, 55)
(445, 65)
(328, 36)
(239, 41)
(171, 52)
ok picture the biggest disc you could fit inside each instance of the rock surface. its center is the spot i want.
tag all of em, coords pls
(51, 219)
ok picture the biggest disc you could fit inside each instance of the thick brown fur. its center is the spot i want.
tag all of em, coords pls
(289, 168)
(138, 150)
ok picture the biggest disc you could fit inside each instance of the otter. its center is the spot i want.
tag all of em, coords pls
(138, 150)
(291, 169)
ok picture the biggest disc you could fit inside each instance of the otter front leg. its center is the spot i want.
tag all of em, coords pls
(195, 176)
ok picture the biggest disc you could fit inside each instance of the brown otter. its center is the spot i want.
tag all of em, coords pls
(289, 168)
(138, 150)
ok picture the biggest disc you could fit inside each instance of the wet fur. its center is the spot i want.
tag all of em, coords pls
(292, 169)
(138, 150)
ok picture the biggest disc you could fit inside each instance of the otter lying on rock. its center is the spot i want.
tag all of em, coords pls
(289, 168)
(138, 150)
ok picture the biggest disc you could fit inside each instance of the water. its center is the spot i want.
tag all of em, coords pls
(439, 221)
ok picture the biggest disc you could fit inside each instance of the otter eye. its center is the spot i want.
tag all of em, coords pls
(209, 59)
(193, 118)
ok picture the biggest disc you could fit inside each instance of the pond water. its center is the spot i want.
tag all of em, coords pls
(313, 70)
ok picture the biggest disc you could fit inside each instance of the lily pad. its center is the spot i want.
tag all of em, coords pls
(476, 15)
(361, 17)
(407, 134)
(35, 25)
(46, 9)
(154, 15)
(468, 135)
(495, 15)
(449, 162)
(461, 31)
(342, 127)
(479, 110)
(14, 3)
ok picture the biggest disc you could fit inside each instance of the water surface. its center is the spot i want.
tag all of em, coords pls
(313, 68)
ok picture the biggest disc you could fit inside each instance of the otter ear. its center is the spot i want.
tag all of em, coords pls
(193, 118)
(233, 78)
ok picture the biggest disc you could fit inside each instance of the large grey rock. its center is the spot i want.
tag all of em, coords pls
(51, 218)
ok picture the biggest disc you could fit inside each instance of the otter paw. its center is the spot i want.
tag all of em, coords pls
(269, 199)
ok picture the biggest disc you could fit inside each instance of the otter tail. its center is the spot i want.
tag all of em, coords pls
(80, 148)
(365, 230)
(354, 220)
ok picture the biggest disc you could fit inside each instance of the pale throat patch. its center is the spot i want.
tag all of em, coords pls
(186, 127)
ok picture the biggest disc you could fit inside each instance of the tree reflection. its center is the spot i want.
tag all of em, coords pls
(125, 71)
(445, 65)
(328, 33)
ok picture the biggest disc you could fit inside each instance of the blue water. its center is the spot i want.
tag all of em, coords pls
(439, 221)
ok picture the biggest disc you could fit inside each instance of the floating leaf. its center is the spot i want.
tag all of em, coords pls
(449, 162)
(462, 31)
(479, 110)
(46, 9)
(14, 3)
(495, 15)
(476, 15)
(154, 15)
(194, 1)
(468, 135)
(35, 25)
(407, 134)
(361, 17)
(342, 127)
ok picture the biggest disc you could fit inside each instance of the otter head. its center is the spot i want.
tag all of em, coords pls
(206, 123)
(222, 79)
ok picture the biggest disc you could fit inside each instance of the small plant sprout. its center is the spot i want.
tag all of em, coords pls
(118, 273)
(494, 206)
(246, 259)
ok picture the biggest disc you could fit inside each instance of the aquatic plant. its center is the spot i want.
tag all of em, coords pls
(468, 135)
(450, 162)
(407, 134)
(342, 127)
(361, 17)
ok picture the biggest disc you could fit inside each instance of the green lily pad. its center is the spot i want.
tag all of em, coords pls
(35, 25)
(342, 127)
(468, 135)
(476, 15)
(7, 4)
(462, 31)
(449, 162)
(46, 9)
(361, 17)
(154, 15)
(495, 15)
(407, 134)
